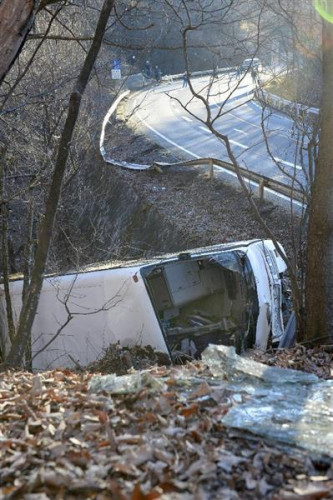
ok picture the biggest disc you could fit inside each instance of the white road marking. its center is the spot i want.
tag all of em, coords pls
(238, 144)
(285, 118)
(284, 197)
(186, 119)
(288, 163)
(165, 138)
(240, 131)
(205, 130)
(256, 105)
(254, 124)
(253, 183)
(217, 167)
(243, 120)
(278, 132)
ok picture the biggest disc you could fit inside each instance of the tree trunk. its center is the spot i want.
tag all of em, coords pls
(30, 304)
(319, 274)
(16, 19)
(4, 249)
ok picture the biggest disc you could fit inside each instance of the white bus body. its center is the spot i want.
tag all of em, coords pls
(229, 294)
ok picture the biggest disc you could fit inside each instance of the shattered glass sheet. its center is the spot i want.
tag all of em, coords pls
(158, 433)
(125, 384)
(223, 361)
(280, 404)
(277, 403)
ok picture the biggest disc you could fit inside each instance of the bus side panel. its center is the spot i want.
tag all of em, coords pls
(83, 314)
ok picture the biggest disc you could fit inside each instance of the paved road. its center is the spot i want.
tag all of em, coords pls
(171, 115)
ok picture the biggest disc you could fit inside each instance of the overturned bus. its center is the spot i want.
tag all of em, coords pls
(225, 294)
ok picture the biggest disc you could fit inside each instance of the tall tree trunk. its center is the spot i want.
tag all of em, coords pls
(4, 248)
(30, 304)
(16, 19)
(319, 275)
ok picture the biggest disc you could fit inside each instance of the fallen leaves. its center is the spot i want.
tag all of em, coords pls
(164, 440)
(316, 360)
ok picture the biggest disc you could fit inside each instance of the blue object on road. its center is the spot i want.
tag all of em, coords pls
(115, 64)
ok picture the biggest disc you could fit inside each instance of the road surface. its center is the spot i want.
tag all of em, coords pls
(174, 118)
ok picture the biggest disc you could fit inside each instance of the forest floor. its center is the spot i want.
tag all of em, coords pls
(156, 434)
(60, 440)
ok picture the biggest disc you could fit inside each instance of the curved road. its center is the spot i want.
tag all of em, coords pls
(171, 116)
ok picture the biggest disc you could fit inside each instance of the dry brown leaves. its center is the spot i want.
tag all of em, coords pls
(316, 360)
(119, 360)
(58, 441)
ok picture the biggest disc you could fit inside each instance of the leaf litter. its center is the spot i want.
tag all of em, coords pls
(155, 433)
(317, 360)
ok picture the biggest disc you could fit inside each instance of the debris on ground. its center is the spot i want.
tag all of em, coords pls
(117, 359)
(70, 435)
(286, 405)
(317, 360)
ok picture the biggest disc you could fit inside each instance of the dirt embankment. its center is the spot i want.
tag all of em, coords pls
(140, 213)
(111, 213)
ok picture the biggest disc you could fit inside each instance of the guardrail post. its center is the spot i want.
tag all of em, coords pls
(261, 189)
(211, 169)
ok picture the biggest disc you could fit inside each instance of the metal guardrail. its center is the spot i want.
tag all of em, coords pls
(139, 81)
(262, 181)
(289, 107)
(167, 78)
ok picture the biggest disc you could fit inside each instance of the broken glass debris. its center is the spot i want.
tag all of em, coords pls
(281, 404)
(125, 384)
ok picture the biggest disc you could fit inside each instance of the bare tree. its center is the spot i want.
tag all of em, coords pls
(16, 20)
(31, 300)
(316, 321)
(193, 21)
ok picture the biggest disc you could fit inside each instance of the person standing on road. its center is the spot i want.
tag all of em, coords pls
(185, 80)
(158, 74)
(148, 69)
(254, 76)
